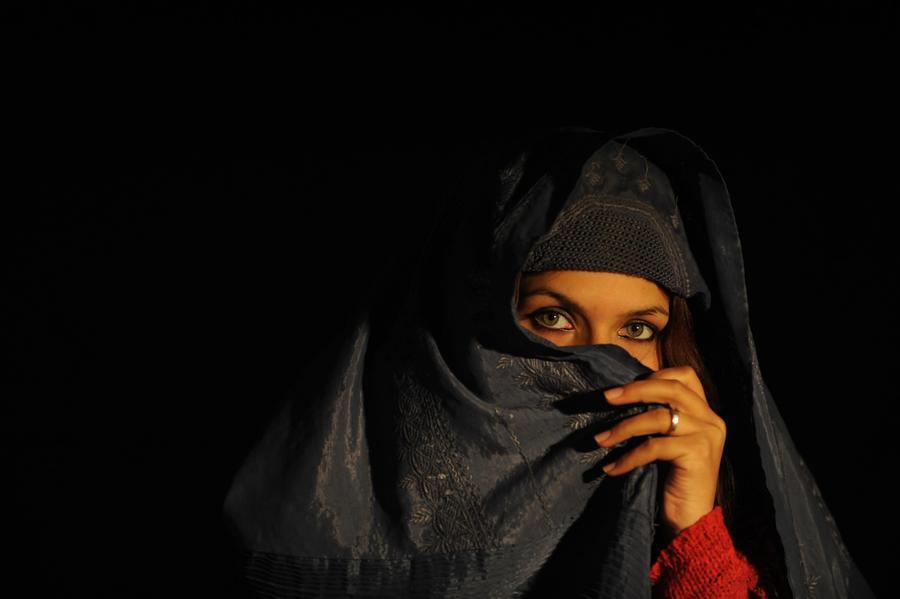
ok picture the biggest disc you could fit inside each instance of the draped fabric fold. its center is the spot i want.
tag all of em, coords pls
(439, 449)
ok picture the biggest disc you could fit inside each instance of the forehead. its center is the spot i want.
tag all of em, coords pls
(606, 289)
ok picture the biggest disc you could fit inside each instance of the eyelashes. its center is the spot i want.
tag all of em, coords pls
(646, 327)
(535, 317)
(646, 331)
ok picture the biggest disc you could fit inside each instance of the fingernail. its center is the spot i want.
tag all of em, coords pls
(613, 393)
(601, 437)
(609, 466)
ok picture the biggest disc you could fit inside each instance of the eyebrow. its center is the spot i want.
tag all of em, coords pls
(570, 303)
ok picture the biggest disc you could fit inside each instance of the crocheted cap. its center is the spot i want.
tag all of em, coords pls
(622, 216)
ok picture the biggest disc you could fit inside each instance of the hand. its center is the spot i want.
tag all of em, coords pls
(694, 448)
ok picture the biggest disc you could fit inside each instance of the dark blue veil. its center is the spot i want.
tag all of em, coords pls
(438, 449)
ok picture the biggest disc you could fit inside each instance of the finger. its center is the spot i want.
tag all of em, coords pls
(668, 391)
(657, 420)
(655, 448)
(686, 374)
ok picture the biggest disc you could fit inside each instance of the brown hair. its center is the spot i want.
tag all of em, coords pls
(678, 347)
(753, 534)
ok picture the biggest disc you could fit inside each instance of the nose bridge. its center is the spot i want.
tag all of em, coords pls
(603, 334)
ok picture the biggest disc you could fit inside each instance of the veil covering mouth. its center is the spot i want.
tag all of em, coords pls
(439, 449)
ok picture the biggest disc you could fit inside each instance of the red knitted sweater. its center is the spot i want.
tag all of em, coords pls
(701, 561)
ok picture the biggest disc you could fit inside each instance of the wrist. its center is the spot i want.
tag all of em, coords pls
(675, 526)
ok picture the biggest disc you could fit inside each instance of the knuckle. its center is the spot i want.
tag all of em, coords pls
(674, 385)
(686, 371)
(720, 426)
(721, 438)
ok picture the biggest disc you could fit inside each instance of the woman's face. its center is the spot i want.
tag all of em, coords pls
(577, 307)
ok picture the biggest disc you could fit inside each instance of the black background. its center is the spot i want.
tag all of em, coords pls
(196, 192)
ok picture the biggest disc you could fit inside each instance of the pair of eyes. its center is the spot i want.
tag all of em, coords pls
(645, 330)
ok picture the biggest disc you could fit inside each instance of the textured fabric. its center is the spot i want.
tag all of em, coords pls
(702, 562)
(624, 219)
(436, 448)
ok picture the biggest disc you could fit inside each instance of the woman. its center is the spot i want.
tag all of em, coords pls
(449, 444)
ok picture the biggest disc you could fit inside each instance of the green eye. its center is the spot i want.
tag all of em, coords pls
(640, 331)
(552, 319)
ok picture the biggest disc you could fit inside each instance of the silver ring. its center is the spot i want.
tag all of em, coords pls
(675, 415)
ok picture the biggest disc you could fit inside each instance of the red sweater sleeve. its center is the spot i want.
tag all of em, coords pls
(701, 561)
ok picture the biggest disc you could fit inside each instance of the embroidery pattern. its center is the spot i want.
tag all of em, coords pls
(811, 582)
(554, 380)
(438, 479)
(534, 485)
(594, 174)
(644, 182)
(619, 160)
